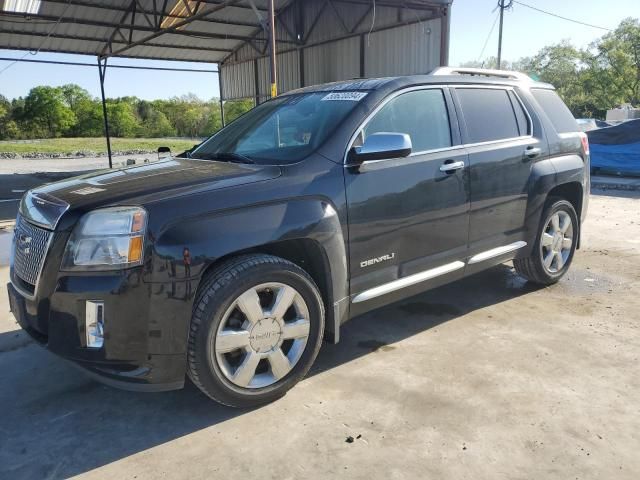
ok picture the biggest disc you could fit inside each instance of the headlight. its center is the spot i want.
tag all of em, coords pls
(107, 239)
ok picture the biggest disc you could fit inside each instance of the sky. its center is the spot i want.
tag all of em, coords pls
(525, 32)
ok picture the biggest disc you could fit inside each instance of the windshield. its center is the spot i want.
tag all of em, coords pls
(283, 130)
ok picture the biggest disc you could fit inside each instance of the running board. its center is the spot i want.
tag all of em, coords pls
(407, 281)
(496, 252)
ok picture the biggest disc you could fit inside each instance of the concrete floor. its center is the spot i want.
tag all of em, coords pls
(486, 378)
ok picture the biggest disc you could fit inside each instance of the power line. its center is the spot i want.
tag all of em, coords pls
(53, 28)
(488, 37)
(92, 65)
(561, 17)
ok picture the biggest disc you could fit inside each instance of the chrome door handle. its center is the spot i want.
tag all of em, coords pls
(532, 152)
(450, 167)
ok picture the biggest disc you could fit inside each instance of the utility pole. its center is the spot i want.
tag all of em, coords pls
(501, 6)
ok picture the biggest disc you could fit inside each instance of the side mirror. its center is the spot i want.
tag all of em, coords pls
(164, 152)
(382, 145)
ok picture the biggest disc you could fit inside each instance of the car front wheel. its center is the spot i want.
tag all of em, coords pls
(256, 329)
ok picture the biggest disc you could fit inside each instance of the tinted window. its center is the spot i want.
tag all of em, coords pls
(560, 116)
(488, 114)
(521, 116)
(422, 114)
(283, 130)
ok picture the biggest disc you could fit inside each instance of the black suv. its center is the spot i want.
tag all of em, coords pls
(231, 264)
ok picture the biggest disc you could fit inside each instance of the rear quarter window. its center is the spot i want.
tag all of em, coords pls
(560, 116)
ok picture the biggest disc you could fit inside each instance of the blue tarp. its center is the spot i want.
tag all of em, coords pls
(623, 158)
(616, 149)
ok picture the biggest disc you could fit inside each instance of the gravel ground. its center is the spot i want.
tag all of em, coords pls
(487, 378)
(36, 165)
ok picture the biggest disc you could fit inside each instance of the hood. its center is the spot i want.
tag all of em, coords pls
(109, 187)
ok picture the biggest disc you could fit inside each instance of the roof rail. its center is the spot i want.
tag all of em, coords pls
(482, 72)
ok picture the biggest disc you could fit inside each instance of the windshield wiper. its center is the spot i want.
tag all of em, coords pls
(225, 157)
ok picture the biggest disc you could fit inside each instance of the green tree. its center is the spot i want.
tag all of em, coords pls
(234, 108)
(8, 127)
(563, 66)
(157, 125)
(590, 80)
(612, 76)
(46, 113)
(122, 120)
(213, 120)
(90, 120)
(74, 95)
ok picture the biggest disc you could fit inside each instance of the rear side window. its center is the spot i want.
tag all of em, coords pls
(560, 116)
(422, 114)
(488, 114)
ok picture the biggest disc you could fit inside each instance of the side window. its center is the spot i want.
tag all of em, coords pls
(422, 114)
(488, 114)
(560, 116)
(521, 116)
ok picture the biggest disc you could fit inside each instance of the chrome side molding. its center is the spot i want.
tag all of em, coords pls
(496, 252)
(434, 272)
(407, 281)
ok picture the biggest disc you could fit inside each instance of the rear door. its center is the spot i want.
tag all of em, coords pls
(499, 137)
(408, 216)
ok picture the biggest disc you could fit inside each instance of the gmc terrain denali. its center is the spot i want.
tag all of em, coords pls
(232, 263)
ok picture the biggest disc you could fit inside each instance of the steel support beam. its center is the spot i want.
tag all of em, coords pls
(102, 69)
(363, 52)
(93, 54)
(445, 21)
(176, 26)
(272, 49)
(106, 40)
(143, 28)
(417, 20)
(105, 6)
(220, 85)
(131, 67)
(256, 82)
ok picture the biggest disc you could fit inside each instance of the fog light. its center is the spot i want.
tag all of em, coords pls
(94, 323)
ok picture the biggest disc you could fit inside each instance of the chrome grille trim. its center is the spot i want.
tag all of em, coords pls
(30, 246)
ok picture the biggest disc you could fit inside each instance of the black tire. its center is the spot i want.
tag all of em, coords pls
(533, 268)
(216, 295)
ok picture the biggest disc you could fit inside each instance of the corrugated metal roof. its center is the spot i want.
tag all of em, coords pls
(101, 27)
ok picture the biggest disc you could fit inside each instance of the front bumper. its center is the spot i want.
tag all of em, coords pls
(134, 356)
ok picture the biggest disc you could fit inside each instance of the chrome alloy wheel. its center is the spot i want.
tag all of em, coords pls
(262, 335)
(556, 241)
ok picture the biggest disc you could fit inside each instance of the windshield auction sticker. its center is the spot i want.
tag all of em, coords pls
(345, 96)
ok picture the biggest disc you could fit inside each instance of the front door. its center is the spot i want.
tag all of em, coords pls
(408, 217)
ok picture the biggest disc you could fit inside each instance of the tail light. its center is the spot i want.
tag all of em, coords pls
(585, 142)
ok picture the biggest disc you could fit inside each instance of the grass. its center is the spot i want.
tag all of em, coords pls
(98, 145)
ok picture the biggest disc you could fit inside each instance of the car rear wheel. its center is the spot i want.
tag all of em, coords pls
(555, 245)
(256, 329)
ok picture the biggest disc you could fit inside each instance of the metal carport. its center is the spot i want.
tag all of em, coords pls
(314, 41)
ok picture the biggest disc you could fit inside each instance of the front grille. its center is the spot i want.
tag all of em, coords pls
(30, 245)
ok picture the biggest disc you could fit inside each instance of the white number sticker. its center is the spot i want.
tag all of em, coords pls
(344, 96)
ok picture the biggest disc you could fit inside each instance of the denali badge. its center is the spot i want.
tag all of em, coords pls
(373, 261)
